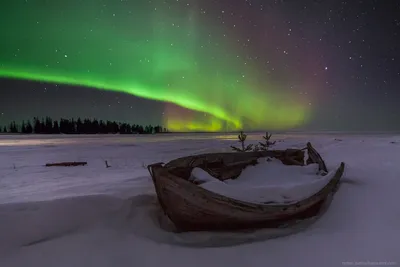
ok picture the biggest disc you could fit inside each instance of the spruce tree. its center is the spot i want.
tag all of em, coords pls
(56, 128)
(23, 127)
(28, 127)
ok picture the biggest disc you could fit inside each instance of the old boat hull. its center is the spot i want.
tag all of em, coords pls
(192, 208)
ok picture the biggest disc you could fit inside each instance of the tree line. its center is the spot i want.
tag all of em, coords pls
(79, 126)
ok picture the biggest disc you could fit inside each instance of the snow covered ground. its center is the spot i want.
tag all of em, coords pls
(98, 216)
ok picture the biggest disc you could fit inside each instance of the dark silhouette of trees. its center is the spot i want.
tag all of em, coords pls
(56, 129)
(48, 125)
(29, 128)
(37, 128)
(80, 126)
(26, 128)
(13, 127)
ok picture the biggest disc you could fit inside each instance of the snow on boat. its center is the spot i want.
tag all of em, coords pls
(215, 191)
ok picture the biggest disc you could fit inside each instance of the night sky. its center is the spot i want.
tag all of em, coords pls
(204, 64)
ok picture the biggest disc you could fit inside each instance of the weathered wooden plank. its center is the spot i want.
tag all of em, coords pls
(315, 157)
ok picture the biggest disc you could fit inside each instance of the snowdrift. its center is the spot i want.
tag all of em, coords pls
(30, 224)
(268, 182)
(26, 224)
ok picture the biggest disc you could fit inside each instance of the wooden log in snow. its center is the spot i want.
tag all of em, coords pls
(66, 164)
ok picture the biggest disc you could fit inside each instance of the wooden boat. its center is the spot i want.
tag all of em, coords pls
(193, 208)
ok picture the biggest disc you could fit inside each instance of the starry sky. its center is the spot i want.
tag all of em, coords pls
(204, 65)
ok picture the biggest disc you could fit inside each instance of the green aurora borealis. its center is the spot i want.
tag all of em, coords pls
(156, 53)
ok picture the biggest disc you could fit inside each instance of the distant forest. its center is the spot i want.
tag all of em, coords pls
(79, 126)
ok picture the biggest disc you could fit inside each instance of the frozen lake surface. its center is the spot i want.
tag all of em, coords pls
(98, 216)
